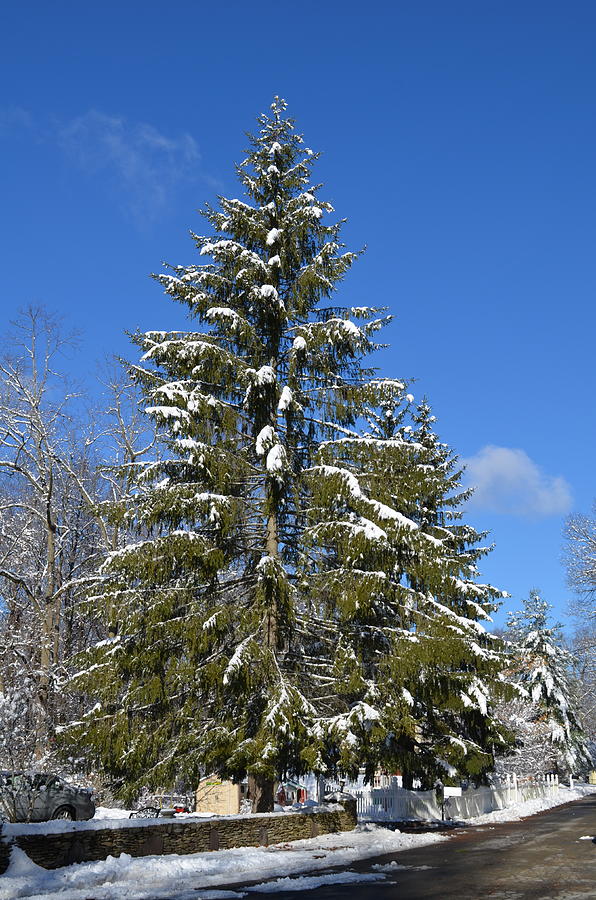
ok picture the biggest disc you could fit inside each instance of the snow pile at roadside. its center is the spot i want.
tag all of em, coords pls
(156, 877)
(531, 807)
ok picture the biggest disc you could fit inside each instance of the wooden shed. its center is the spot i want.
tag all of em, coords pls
(219, 797)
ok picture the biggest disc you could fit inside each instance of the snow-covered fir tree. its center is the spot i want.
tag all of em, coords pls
(284, 571)
(545, 716)
(462, 674)
(446, 665)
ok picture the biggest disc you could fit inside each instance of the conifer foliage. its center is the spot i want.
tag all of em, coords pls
(293, 576)
(547, 720)
(434, 670)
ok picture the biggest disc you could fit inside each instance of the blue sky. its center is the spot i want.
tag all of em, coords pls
(459, 139)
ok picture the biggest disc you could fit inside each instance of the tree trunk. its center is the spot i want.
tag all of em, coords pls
(260, 791)
(272, 540)
(50, 641)
(260, 787)
(273, 551)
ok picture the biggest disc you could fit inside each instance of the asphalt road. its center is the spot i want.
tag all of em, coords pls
(540, 858)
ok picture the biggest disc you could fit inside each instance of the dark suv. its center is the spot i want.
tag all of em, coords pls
(36, 798)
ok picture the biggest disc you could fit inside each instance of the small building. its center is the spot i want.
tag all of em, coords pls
(214, 795)
(291, 792)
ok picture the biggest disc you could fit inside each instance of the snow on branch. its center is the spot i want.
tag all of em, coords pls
(352, 489)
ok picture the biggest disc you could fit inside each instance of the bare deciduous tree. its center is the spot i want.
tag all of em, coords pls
(584, 653)
(49, 538)
(580, 558)
(62, 467)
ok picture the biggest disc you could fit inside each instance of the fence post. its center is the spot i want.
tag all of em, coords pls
(515, 789)
(570, 781)
(394, 798)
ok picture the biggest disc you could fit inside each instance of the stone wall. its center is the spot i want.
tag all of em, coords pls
(177, 836)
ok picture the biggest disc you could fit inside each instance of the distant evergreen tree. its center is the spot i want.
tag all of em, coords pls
(285, 566)
(543, 669)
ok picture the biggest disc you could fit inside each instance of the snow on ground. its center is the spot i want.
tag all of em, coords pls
(125, 878)
(107, 812)
(308, 882)
(531, 807)
(203, 876)
(394, 866)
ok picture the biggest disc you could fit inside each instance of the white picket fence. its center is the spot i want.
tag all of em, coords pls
(391, 803)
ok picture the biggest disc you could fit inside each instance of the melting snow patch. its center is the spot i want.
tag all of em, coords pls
(219, 895)
(394, 866)
(310, 882)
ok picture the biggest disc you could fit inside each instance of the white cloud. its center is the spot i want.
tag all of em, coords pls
(506, 480)
(143, 164)
(14, 118)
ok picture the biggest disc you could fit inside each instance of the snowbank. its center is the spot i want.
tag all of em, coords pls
(154, 877)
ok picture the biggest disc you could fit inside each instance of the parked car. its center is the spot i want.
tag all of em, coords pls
(38, 797)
